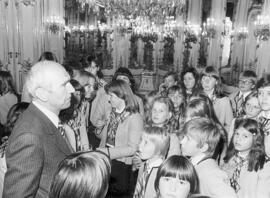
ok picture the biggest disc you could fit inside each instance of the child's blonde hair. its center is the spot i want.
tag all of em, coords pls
(160, 137)
(204, 131)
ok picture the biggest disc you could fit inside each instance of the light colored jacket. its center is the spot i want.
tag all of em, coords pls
(101, 107)
(126, 139)
(214, 182)
(252, 184)
(223, 110)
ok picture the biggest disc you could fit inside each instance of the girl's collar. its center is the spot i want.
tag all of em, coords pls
(211, 94)
(242, 155)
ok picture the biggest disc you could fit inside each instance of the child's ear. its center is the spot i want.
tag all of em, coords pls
(204, 148)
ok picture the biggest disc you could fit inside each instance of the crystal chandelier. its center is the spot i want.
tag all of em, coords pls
(155, 10)
(262, 28)
(55, 24)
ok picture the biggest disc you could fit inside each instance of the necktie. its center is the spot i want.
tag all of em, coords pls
(236, 174)
(62, 130)
(141, 184)
(239, 105)
(63, 134)
(78, 139)
(264, 121)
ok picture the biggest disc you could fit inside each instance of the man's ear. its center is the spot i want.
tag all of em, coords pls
(41, 94)
(204, 148)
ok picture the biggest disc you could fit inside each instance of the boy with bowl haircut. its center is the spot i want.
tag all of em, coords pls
(199, 143)
(153, 148)
(247, 83)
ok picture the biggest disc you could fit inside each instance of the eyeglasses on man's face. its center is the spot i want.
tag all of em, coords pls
(246, 81)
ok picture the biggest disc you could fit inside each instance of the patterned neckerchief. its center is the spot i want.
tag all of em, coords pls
(115, 119)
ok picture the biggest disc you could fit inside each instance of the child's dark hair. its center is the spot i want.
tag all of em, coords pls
(122, 90)
(71, 65)
(48, 56)
(179, 115)
(173, 74)
(178, 167)
(123, 71)
(249, 74)
(68, 114)
(92, 58)
(6, 83)
(264, 81)
(14, 113)
(256, 157)
(195, 74)
(212, 72)
(178, 88)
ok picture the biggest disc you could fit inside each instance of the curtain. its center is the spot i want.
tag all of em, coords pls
(54, 42)
(239, 46)
(218, 12)
(195, 17)
(263, 64)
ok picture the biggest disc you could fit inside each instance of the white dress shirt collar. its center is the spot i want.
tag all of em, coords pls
(152, 164)
(244, 94)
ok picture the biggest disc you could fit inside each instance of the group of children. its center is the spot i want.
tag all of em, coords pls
(225, 138)
(197, 141)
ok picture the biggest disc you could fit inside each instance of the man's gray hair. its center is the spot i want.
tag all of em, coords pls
(38, 76)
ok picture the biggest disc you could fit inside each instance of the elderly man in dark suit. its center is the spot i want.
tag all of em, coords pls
(36, 145)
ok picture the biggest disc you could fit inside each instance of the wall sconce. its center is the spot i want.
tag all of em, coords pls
(241, 33)
(55, 24)
(209, 28)
(193, 29)
(262, 28)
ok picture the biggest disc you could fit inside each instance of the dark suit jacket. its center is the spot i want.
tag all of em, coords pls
(35, 148)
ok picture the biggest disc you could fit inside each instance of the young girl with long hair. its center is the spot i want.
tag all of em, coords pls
(176, 177)
(162, 115)
(211, 84)
(120, 137)
(177, 95)
(8, 95)
(245, 158)
(190, 81)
